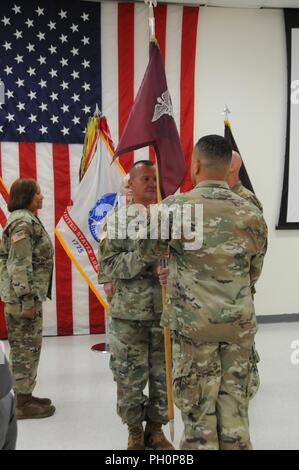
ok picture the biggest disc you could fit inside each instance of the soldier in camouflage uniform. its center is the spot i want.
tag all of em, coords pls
(136, 337)
(26, 265)
(126, 193)
(233, 180)
(211, 312)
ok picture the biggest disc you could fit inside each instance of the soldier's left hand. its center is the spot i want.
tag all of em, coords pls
(28, 313)
(109, 289)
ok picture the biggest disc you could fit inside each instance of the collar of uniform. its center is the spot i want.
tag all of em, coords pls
(212, 184)
(237, 185)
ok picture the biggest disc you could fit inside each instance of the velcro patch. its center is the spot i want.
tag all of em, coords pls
(16, 237)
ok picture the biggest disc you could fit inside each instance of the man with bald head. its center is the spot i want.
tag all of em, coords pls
(233, 180)
(210, 311)
(136, 337)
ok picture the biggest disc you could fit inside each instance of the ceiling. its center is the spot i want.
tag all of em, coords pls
(229, 3)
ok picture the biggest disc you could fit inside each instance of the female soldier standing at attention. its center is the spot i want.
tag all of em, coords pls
(26, 264)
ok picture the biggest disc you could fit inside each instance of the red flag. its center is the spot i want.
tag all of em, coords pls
(151, 122)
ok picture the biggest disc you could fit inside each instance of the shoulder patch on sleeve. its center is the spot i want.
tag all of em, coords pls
(16, 237)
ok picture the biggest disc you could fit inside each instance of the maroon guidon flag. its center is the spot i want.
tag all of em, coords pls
(151, 122)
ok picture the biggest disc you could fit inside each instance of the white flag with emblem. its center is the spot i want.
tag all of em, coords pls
(78, 229)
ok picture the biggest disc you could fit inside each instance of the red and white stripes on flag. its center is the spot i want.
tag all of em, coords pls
(74, 309)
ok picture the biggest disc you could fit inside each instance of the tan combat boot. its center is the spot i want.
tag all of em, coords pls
(154, 437)
(41, 401)
(136, 437)
(27, 408)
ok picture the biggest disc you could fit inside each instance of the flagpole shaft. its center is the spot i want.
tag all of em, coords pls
(167, 345)
(151, 17)
(151, 20)
(167, 339)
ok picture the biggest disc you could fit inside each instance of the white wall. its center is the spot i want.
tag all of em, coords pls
(242, 62)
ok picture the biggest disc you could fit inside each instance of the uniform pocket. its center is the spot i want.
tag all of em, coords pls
(13, 309)
(253, 378)
(186, 383)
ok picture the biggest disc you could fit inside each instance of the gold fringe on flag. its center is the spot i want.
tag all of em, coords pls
(92, 131)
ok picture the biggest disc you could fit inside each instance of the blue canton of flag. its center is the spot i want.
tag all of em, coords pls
(50, 66)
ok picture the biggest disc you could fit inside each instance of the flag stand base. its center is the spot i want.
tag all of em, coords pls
(101, 347)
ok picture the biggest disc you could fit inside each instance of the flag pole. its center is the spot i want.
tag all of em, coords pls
(163, 264)
(97, 111)
(151, 18)
(167, 339)
(226, 112)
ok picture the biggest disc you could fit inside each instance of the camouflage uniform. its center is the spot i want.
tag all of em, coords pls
(136, 337)
(254, 380)
(26, 265)
(211, 315)
(248, 195)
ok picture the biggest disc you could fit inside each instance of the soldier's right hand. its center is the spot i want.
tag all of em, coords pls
(163, 276)
(28, 313)
(109, 289)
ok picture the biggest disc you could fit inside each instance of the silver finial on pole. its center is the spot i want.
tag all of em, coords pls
(226, 112)
(97, 111)
(151, 17)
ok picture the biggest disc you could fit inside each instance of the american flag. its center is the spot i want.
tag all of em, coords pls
(87, 53)
(50, 66)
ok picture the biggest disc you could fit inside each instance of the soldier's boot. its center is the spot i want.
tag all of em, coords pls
(27, 408)
(154, 437)
(136, 437)
(42, 401)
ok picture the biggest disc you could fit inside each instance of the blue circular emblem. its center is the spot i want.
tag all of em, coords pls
(99, 211)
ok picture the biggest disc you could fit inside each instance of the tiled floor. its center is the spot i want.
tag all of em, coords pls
(79, 382)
